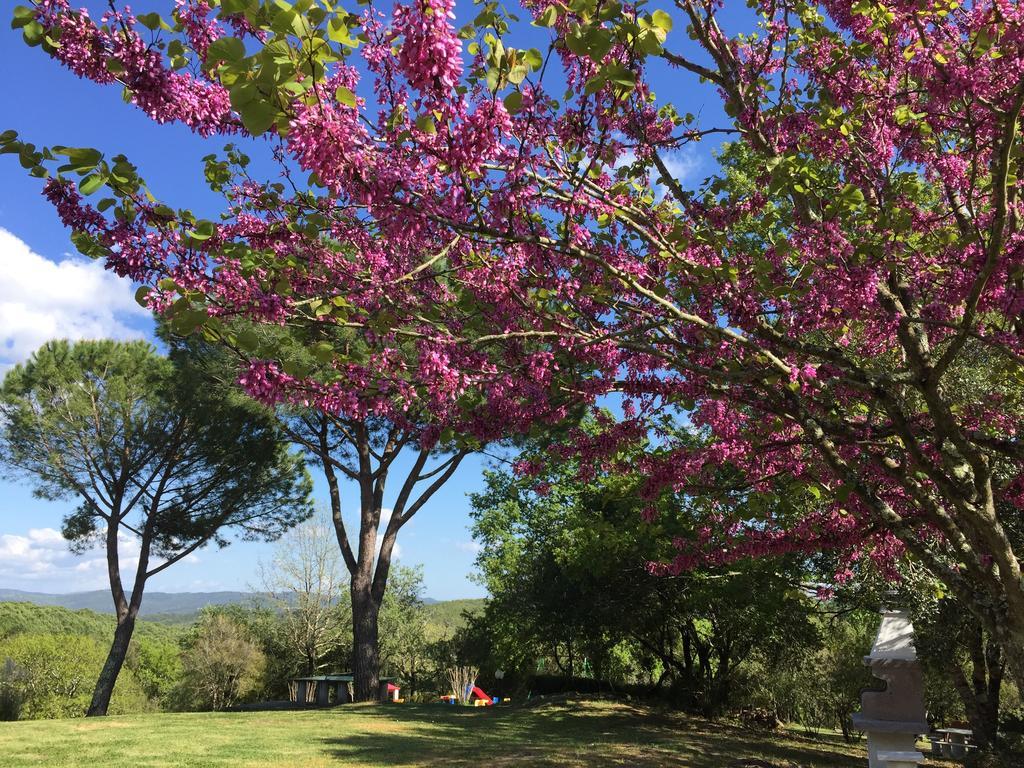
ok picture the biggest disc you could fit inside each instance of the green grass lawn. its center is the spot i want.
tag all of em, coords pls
(594, 734)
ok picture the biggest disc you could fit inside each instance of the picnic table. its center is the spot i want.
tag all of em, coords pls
(954, 742)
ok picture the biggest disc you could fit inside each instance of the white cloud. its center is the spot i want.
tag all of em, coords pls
(683, 165)
(41, 560)
(469, 546)
(385, 518)
(396, 550)
(42, 556)
(74, 298)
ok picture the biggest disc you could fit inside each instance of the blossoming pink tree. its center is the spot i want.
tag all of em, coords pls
(841, 313)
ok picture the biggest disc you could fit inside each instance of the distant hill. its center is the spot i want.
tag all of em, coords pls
(179, 607)
(155, 603)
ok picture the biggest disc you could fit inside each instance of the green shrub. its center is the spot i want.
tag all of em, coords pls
(156, 664)
(223, 666)
(56, 674)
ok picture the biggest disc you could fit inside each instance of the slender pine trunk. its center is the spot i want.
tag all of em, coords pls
(112, 666)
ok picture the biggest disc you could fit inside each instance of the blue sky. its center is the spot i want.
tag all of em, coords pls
(48, 291)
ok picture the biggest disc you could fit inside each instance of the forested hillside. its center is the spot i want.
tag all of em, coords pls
(444, 617)
(30, 619)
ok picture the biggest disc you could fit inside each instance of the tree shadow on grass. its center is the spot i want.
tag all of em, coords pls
(568, 735)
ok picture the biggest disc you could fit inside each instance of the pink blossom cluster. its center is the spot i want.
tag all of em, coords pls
(430, 54)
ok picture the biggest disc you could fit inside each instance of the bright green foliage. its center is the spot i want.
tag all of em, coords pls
(157, 666)
(818, 686)
(57, 674)
(153, 656)
(445, 617)
(263, 627)
(567, 571)
(31, 619)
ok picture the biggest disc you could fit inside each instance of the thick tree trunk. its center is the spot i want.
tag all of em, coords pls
(994, 664)
(112, 666)
(365, 645)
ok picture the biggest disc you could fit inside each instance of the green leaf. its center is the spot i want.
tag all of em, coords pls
(599, 43)
(91, 183)
(324, 352)
(152, 21)
(548, 18)
(33, 33)
(426, 124)
(620, 75)
(647, 42)
(233, 7)
(141, 294)
(662, 20)
(229, 49)
(518, 73)
(345, 96)
(203, 230)
(243, 94)
(88, 245)
(23, 15)
(81, 159)
(595, 84)
(247, 339)
(258, 116)
(338, 32)
(577, 43)
(852, 195)
(514, 102)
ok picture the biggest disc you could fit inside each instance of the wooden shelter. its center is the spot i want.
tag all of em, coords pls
(327, 690)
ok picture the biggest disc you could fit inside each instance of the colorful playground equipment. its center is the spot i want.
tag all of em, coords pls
(481, 700)
(474, 697)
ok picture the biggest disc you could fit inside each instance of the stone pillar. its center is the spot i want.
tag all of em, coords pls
(894, 716)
